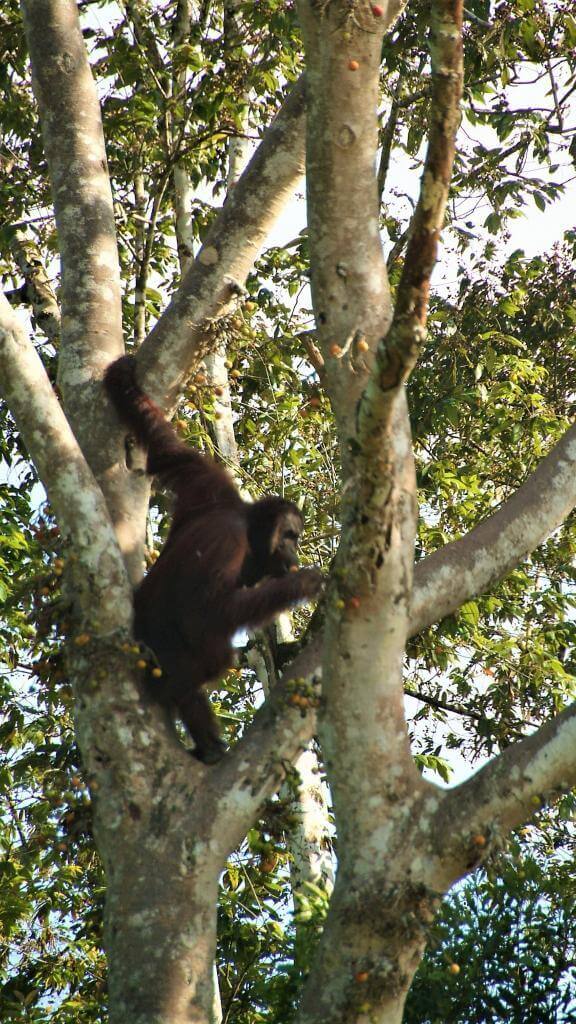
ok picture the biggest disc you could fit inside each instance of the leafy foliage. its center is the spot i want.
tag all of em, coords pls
(500, 398)
(494, 391)
(51, 882)
(503, 949)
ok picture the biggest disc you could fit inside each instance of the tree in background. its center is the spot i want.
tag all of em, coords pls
(512, 932)
(480, 635)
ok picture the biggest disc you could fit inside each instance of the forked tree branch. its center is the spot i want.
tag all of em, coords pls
(500, 797)
(74, 146)
(237, 787)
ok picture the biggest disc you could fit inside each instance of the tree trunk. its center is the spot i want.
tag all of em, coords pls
(160, 936)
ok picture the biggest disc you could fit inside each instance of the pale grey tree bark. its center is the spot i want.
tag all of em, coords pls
(37, 291)
(164, 823)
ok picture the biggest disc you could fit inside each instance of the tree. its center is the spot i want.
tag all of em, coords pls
(175, 83)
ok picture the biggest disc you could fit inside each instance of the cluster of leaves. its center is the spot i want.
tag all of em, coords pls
(516, 149)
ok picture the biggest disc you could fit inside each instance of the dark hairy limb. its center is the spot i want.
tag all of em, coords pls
(254, 606)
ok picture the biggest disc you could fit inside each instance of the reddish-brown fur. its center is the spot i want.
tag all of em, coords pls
(201, 589)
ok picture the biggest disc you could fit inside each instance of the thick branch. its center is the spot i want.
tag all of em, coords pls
(90, 294)
(350, 290)
(75, 496)
(74, 148)
(399, 349)
(257, 765)
(509, 789)
(473, 564)
(444, 119)
(234, 242)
